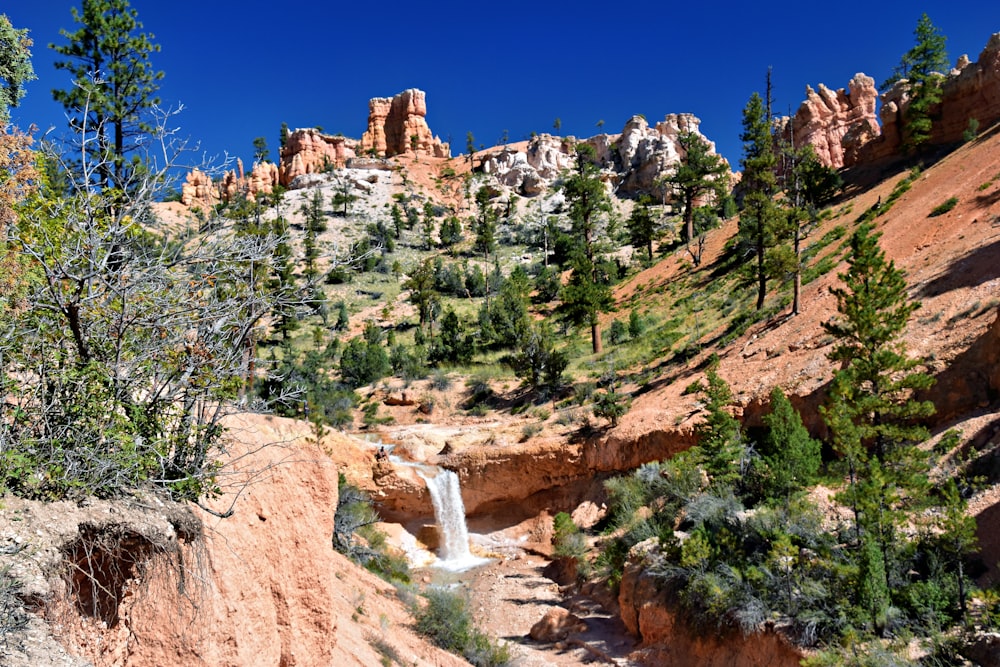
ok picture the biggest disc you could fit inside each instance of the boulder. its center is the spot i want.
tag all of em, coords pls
(556, 625)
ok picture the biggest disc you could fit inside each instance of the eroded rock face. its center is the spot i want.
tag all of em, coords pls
(970, 90)
(836, 123)
(198, 190)
(398, 125)
(309, 151)
(262, 586)
(633, 161)
(650, 613)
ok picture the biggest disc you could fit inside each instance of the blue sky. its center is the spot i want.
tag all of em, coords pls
(240, 69)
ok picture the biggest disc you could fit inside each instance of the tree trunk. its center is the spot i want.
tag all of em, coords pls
(595, 337)
(761, 275)
(797, 284)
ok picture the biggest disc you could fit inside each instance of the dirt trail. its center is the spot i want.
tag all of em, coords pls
(510, 596)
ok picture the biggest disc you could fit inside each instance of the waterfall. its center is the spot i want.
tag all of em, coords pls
(446, 495)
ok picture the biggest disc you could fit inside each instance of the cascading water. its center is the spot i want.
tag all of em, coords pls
(446, 496)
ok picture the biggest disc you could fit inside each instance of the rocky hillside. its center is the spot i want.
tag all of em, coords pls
(142, 583)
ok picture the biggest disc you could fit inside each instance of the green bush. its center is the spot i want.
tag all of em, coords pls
(943, 207)
(446, 621)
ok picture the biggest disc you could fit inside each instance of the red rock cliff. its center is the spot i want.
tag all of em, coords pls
(398, 125)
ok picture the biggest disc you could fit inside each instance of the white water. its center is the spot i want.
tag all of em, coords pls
(446, 496)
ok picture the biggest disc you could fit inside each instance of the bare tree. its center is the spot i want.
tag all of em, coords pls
(135, 339)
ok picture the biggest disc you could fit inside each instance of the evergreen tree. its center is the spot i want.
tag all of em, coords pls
(15, 66)
(791, 456)
(260, 150)
(343, 197)
(429, 225)
(610, 404)
(283, 279)
(315, 225)
(585, 296)
(720, 440)
(699, 174)
(114, 85)
(537, 361)
(452, 344)
(485, 229)
(642, 227)
(922, 67)
(283, 136)
(759, 221)
(958, 538)
(423, 292)
(450, 232)
(588, 292)
(872, 412)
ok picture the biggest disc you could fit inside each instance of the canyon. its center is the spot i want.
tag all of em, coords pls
(177, 584)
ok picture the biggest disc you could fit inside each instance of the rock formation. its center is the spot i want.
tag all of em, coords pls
(843, 128)
(836, 123)
(261, 587)
(199, 190)
(635, 159)
(398, 125)
(309, 151)
(649, 612)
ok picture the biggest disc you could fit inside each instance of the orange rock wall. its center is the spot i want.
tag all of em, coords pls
(649, 613)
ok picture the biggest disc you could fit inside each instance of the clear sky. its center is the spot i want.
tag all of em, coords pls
(241, 68)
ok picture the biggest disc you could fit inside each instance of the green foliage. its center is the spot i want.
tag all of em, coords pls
(922, 67)
(453, 344)
(567, 539)
(588, 292)
(113, 87)
(447, 622)
(791, 457)
(971, 132)
(610, 404)
(364, 361)
(720, 439)
(700, 172)
(15, 66)
(761, 224)
(943, 207)
(537, 361)
(423, 294)
(643, 227)
(355, 536)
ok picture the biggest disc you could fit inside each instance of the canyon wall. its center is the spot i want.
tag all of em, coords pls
(161, 584)
(650, 613)
(845, 131)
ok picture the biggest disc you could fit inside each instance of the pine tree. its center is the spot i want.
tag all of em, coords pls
(642, 226)
(15, 66)
(720, 440)
(760, 220)
(700, 173)
(485, 228)
(588, 292)
(114, 85)
(872, 413)
(791, 455)
(423, 294)
(922, 67)
(315, 225)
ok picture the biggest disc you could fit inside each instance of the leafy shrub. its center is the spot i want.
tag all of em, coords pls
(943, 207)
(617, 333)
(446, 621)
(355, 516)
(567, 540)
